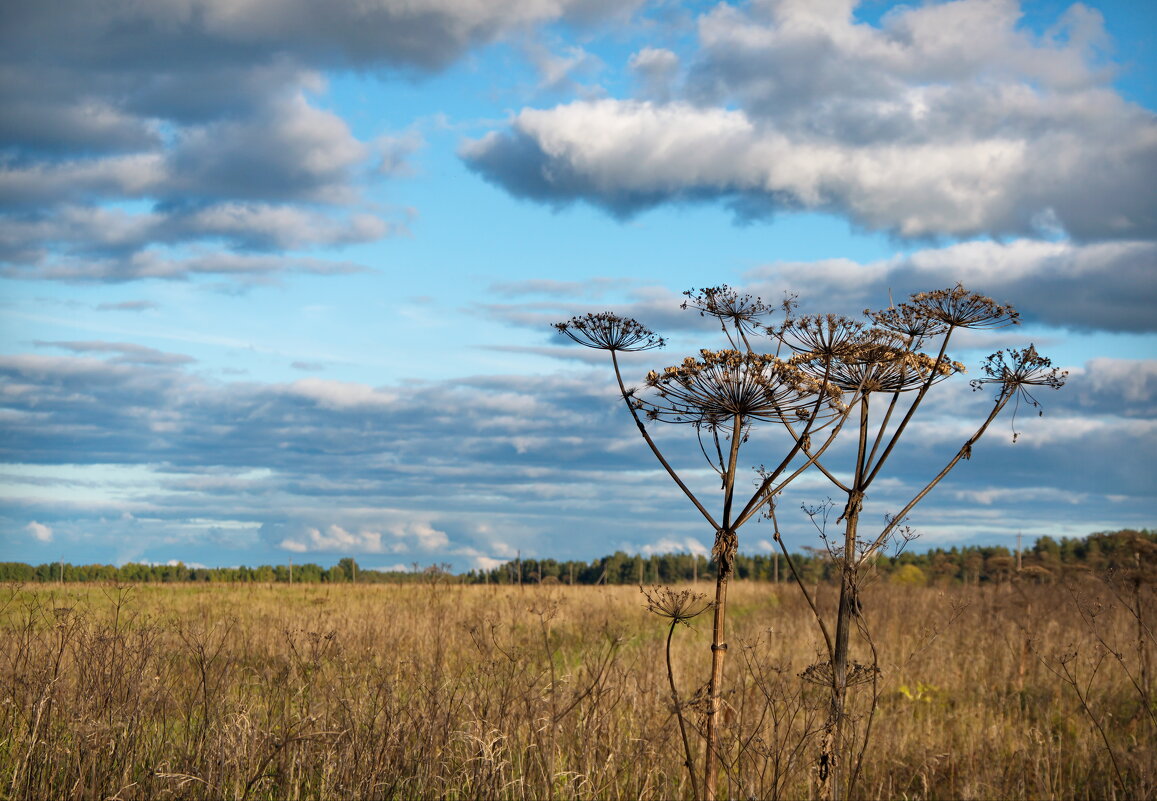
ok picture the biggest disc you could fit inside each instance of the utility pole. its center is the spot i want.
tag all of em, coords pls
(519, 557)
(291, 571)
(1018, 552)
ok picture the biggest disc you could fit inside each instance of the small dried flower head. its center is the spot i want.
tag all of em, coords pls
(824, 336)
(855, 358)
(678, 607)
(608, 331)
(879, 362)
(1015, 371)
(726, 303)
(720, 385)
(908, 319)
(959, 308)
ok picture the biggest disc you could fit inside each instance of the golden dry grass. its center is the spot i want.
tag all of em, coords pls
(442, 691)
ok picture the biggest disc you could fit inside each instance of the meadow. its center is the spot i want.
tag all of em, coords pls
(437, 690)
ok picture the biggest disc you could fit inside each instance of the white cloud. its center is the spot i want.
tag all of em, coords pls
(947, 120)
(334, 539)
(675, 545)
(487, 563)
(1133, 381)
(39, 531)
(420, 534)
(340, 395)
(209, 114)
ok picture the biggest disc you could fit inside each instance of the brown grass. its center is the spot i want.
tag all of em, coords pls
(341, 691)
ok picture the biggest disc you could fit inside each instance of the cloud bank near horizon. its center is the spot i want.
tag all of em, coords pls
(481, 467)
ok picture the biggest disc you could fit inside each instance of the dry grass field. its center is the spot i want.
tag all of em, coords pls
(551, 692)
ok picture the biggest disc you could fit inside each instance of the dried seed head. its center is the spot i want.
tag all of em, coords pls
(609, 331)
(909, 320)
(824, 336)
(1015, 370)
(678, 607)
(959, 308)
(720, 385)
(726, 303)
(858, 359)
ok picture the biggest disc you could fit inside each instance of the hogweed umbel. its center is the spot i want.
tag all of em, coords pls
(609, 331)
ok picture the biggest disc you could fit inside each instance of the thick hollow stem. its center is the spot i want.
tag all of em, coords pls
(831, 757)
(725, 544)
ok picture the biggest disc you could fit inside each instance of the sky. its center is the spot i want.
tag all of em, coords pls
(277, 278)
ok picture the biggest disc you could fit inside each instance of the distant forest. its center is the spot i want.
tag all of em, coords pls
(1047, 560)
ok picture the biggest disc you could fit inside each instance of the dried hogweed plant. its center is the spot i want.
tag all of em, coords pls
(721, 396)
(874, 375)
(885, 371)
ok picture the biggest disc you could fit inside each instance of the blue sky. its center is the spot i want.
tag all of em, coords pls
(276, 278)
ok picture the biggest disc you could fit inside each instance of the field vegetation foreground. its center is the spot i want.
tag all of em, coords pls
(437, 690)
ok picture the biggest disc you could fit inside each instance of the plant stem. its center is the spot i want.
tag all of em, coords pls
(689, 760)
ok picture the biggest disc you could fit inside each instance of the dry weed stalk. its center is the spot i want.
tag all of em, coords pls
(877, 374)
(885, 371)
(721, 396)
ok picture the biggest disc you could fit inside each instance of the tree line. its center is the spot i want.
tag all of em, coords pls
(1046, 560)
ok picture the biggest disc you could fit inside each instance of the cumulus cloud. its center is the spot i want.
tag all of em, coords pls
(948, 120)
(403, 537)
(675, 545)
(208, 112)
(39, 531)
(1122, 386)
(334, 539)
